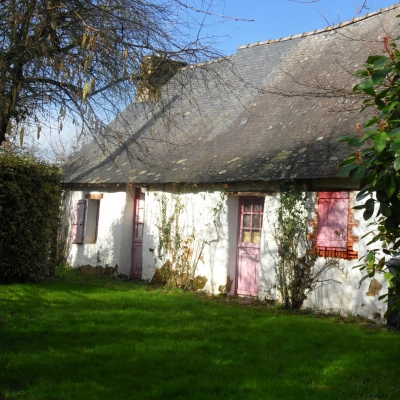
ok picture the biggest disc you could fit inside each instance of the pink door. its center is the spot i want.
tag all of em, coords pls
(248, 263)
(138, 225)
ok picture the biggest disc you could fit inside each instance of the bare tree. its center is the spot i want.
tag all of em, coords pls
(79, 60)
(360, 6)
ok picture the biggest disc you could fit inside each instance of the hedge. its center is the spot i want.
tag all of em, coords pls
(30, 201)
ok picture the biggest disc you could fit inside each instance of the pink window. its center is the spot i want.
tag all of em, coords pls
(333, 214)
(78, 223)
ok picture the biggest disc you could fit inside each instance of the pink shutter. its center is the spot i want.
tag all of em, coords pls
(78, 223)
(333, 213)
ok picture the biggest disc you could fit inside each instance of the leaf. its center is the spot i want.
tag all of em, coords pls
(348, 161)
(396, 245)
(378, 98)
(385, 210)
(389, 107)
(379, 77)
(361, 72)
(364, 278)
(368, 214)
(395, 132)
(372, 59)
(391, 223)
(395, 145)
(366, 86)
(381, 264)
(390, 186)
(381, 196)
(368, 134)
(369, 204)
(395, 206)
(345, 138)
(352, 140)
(397, 163)
(362, 195)
(380, 141)
(371, 121)
(357, 174)
(345, 170)
(381, 62)
(388, 278)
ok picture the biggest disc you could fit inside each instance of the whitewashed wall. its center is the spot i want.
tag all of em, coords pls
(114, 244)
(341, 292)
(348, 296)
(114, 235)
(197, 219)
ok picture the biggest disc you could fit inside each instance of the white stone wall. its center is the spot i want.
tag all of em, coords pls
(341, 292)
(217, 259)
(114, 234)
(348, 296)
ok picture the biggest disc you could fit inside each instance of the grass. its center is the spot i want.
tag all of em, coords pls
(104, 339)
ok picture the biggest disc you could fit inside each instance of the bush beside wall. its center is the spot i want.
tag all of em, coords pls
(30, 200)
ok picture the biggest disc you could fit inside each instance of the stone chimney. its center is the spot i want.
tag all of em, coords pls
(155, 71)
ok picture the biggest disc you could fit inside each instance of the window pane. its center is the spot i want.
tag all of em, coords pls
(247, 220)
(256, 221)
(246, 236)
(247, 205)
(256, 237)
(139, 233)
(140, 215)
(258, 203)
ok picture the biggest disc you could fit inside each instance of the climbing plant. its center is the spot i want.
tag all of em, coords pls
(181, 242)
(296, 268)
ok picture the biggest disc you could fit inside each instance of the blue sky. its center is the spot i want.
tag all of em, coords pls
(281, 18)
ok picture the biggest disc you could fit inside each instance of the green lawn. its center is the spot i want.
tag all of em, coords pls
(104, 339)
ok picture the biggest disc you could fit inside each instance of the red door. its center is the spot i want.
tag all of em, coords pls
(138, 225)
(248, 263)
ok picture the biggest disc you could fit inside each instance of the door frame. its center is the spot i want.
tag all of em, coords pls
(139, 203)
(253, 238)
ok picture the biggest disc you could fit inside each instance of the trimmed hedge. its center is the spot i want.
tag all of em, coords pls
(30, 202)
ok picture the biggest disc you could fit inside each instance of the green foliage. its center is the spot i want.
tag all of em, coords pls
(295, 267)
(30, 200)
(376, 163)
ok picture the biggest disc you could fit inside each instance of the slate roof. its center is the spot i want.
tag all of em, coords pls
(272, 111)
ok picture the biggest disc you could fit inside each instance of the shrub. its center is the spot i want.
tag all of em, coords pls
(30, 200)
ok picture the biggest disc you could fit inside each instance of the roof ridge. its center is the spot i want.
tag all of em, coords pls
(200, 64)
(327, 29)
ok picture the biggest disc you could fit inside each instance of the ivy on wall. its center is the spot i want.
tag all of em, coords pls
(296, 258)
(181, 242)
(30, 200)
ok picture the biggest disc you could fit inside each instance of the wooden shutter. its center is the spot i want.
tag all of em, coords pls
(333, 213)
(78, 223)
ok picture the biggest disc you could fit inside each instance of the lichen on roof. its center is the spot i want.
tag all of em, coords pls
(295, 113)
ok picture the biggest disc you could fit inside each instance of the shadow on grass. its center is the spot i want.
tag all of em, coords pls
(112, 340)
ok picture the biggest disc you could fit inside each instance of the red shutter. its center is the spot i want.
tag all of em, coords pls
(78, 223)
(333, 213)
